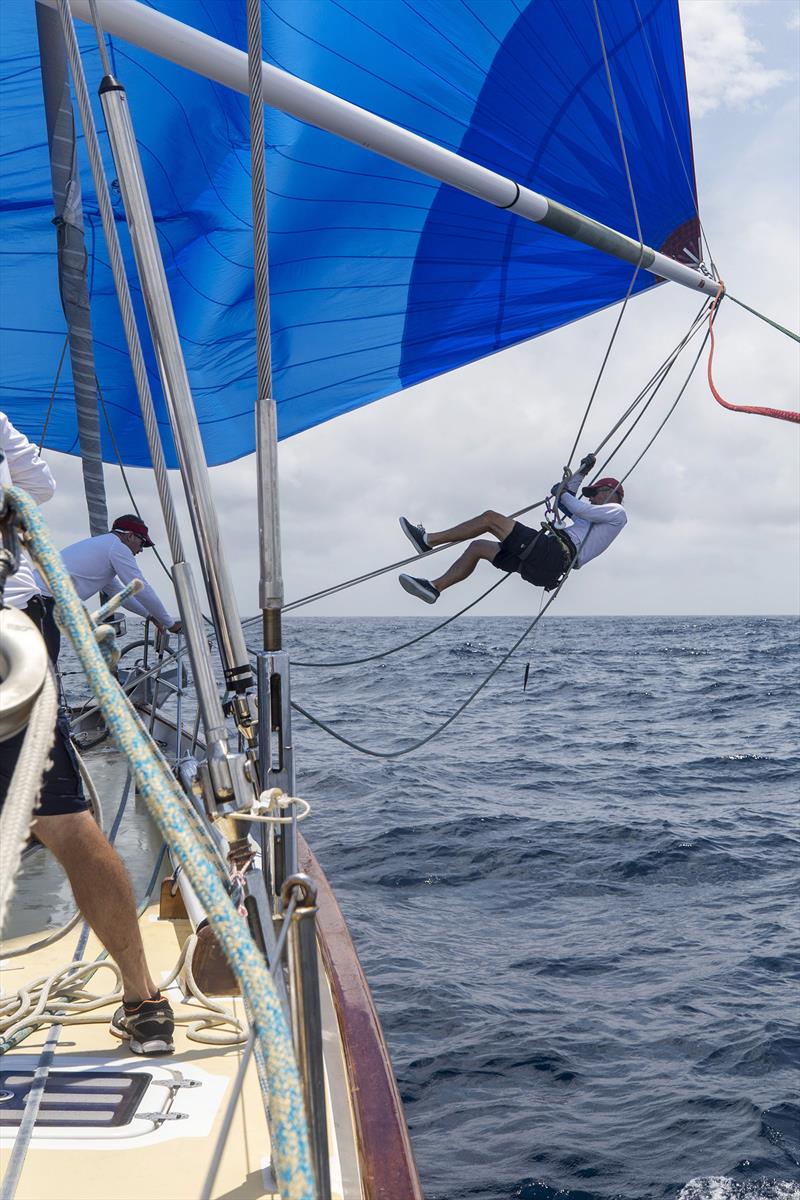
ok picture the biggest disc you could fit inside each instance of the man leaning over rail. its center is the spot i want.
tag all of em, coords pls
(107, 563)
(63, 822)
(542, 557)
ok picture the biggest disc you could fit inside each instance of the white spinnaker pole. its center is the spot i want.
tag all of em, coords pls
(207, 56)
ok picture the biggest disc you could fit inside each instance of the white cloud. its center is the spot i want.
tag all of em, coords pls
(725, 65)
(793, 23)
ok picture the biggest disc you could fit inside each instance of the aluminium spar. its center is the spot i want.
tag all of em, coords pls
(216, 60)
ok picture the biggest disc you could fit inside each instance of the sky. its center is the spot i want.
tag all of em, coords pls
(714, 508)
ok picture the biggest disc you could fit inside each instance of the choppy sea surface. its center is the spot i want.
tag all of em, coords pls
(578, 907)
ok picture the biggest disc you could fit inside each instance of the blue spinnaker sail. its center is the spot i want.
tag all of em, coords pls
(379, 277)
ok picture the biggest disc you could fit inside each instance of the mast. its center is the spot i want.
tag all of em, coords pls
(72, 259)
(179, 43)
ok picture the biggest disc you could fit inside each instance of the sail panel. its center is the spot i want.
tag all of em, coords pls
(380, 278)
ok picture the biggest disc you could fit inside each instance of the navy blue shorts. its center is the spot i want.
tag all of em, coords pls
(62, 790)
(537, 556)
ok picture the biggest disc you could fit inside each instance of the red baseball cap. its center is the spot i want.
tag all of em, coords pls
(607, 482)
(131, 524)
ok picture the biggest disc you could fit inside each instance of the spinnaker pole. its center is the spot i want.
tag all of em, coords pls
(216, 60)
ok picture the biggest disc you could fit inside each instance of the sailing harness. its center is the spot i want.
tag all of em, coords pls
(568, 548)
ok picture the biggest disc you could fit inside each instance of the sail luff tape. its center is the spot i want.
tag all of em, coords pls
(188, 47)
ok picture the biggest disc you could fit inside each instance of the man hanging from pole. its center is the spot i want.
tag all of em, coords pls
(541, 557)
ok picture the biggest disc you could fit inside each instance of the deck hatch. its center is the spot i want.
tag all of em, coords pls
(102, 1099)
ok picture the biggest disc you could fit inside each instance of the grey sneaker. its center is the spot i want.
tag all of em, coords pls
(148, 1026)
(423, 589)
(416, 535)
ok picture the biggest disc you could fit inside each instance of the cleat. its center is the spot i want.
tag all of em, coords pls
(423, 589)
(147, 1026)
(416, 535)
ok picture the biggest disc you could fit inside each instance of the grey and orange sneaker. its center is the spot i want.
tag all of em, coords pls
(148, 1026)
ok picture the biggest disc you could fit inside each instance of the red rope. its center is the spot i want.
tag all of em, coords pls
(781, 414)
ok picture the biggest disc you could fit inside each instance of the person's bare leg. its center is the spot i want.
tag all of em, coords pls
(102, 892)
(488, 522)
(466, 564)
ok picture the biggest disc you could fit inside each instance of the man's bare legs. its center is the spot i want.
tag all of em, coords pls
(466, 564)
(488, 522)
(102, 892)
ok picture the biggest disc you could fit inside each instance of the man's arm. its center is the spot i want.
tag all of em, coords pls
(575, 480)
(146, 601)
(28, 470)
(598, 514)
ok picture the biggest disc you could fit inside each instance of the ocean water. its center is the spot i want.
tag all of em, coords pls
(578, 907)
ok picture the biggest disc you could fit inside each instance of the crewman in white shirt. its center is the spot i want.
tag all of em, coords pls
(540, 556)
(63, 822)
(107, 563)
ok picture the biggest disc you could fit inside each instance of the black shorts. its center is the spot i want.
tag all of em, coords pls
(62, 790)
(545, 561)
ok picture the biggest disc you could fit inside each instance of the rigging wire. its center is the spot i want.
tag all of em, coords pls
(695, 328)
(671, 410)
(665, 367)
(440, 728)
(389, 754)
(404, 562)
(355, 662)
(692, 191)
(762, 317)
(122, 471)
(654, 383)
(358, 579)
(53, 393)
(638, 231)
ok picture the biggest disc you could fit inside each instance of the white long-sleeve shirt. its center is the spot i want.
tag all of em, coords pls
(105, 564)
(594, 526)
(21, 465)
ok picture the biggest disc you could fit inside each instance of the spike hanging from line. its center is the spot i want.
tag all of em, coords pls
(780, 414)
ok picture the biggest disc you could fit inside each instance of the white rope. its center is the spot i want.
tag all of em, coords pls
(63, 998)
(267, 809)
(25, 786)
